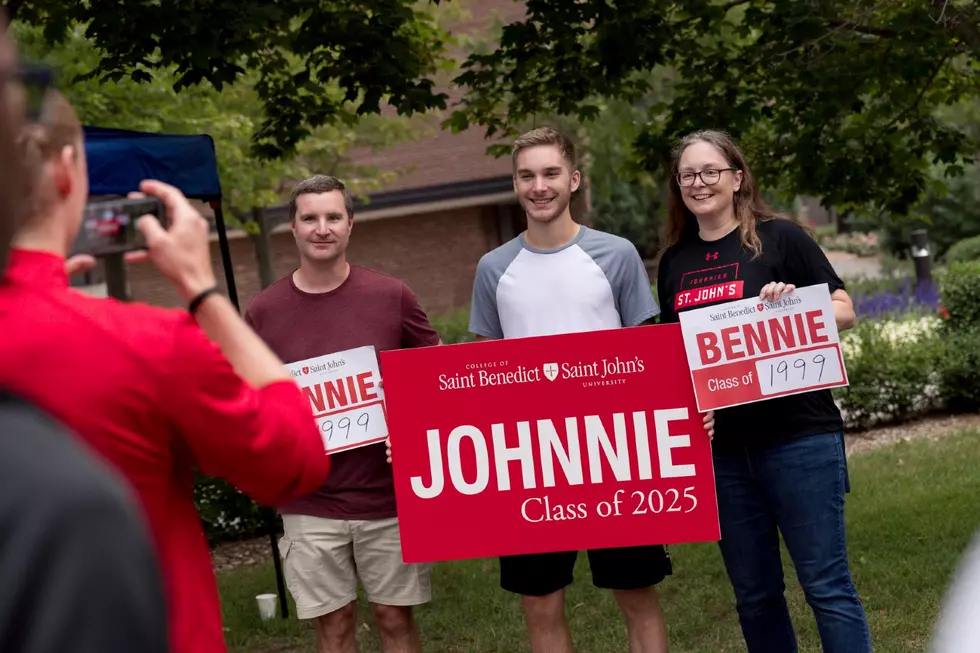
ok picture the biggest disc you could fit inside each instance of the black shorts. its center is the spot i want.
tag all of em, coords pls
(629, 568)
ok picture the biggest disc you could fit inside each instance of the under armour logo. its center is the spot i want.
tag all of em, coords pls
(711, 256)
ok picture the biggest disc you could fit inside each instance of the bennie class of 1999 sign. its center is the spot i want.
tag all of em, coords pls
(343, 391)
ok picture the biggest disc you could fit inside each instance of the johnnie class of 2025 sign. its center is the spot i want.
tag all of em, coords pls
(552, 443)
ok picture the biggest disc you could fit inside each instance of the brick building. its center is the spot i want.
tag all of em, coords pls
(451, 204)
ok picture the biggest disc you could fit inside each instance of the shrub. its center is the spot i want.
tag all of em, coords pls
(960, 370)
(892, 371)
(453, 327)
(226, 513)
(959, 290)
(967, 249)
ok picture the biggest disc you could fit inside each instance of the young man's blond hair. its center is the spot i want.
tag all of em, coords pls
(545, 136)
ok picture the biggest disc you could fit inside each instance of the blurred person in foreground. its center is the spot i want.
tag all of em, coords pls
(76, 565)
(957, 629)
(155, 392)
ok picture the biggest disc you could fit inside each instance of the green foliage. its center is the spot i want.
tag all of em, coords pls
(780, 77)
(959, 291)
(364, 51)
(626, 201)
(627, 210)
(232, 117)
(949, 211)
(892, 373)
(967, 249)
(226, 513)
(453, 327)
(960, 368)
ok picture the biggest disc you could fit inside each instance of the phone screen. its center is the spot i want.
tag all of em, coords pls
(109, 226)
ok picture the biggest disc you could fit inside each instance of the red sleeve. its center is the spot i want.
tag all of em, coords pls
(264, 441)
(416, 329)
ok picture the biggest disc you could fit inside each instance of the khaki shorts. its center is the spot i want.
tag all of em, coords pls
(323, 558)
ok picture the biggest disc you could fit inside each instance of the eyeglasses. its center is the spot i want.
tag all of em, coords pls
(709, 176)
(33, 80)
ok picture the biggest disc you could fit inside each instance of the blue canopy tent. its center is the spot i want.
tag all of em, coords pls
(118, 160)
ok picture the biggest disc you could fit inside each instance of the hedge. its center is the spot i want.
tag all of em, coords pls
(959, 289)
(967, 249)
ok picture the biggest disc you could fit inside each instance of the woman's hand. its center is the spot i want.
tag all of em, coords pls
(709, 425)
(773, 290)
(388, 448)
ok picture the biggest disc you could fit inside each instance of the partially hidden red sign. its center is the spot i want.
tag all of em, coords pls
(556, 443)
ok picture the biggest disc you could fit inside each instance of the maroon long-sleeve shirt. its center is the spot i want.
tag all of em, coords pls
(146, 389)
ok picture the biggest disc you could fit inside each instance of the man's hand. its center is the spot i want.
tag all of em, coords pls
(84, 262)
(709, 424)
(78, 264)
(182, 252)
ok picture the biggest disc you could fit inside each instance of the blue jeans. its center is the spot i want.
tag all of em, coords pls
(796, 489)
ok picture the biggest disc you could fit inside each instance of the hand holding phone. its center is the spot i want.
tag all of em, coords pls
(182, 249)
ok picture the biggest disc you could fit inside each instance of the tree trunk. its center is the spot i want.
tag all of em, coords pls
(263, 249)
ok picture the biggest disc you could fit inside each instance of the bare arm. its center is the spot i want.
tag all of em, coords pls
(843, 309)
(248, 354)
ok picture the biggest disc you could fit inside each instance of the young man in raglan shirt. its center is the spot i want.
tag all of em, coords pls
(348, 528)
(562, 277)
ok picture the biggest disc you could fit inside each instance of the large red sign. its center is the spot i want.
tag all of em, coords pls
(531, 445)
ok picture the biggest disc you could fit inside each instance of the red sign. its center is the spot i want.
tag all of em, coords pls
(557, 443)
(751, 350)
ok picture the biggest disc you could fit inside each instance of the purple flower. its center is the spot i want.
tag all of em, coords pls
(885, 298)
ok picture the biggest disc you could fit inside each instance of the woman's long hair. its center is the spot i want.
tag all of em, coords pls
(750, 208)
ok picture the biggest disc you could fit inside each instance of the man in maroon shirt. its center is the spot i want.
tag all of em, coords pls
(349, 527)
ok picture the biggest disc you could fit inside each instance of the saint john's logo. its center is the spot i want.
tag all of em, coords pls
(550, 371)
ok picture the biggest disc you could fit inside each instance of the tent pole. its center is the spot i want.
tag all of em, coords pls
(115, 277)
(219, 219)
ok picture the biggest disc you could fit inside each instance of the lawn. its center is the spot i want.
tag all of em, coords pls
(911, 512)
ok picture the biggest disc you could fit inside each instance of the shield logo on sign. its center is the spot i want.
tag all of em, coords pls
(760, 306)
(550, 371)
(306, 370)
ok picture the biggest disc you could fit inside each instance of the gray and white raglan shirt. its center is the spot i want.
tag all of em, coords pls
(597, 281)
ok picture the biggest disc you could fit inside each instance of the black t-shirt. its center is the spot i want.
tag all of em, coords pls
(77, 569)
(687, 273)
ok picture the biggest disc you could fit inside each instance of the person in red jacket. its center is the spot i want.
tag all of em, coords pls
(156, 393)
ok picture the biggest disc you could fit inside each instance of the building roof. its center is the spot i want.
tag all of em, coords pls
(441, 158)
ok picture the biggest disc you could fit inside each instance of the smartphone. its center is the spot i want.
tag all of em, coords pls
(109, 226)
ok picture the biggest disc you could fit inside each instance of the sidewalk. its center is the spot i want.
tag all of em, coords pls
(849, 266)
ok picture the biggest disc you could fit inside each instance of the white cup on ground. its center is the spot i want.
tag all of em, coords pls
(267, 605)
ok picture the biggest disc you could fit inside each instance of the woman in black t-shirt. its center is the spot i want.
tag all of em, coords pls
(779, 464)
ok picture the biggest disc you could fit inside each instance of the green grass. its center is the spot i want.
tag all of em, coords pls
(911, 512)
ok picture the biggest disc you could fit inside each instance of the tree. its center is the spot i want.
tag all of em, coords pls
(832, 98)
(231, 117)
(370, 51)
